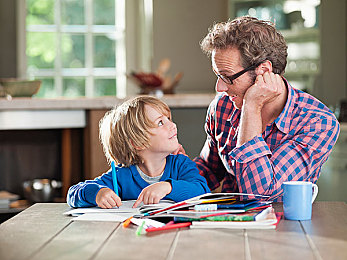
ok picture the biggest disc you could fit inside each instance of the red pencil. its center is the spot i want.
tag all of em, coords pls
(166, 227)
(166, 209)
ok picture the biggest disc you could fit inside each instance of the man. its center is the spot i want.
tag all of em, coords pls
(261, 131)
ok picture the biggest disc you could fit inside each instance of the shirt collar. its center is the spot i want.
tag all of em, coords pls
(283, 121)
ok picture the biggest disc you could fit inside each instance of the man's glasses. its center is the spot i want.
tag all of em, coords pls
(229, 79)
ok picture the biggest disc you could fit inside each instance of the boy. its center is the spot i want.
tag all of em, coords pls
(140, 136)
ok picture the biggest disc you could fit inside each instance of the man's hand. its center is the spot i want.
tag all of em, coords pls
(153, 193)
(107, 199)
(265, 89)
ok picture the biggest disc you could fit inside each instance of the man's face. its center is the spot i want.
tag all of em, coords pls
(227, 62)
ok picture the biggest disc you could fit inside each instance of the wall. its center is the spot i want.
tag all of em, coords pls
(8, 65)
(178, 27)
(331, 85)
(190, 125)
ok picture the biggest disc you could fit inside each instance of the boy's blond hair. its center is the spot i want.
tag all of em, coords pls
(126, 128)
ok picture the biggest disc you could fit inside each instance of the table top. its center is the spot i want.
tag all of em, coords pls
(42, 232)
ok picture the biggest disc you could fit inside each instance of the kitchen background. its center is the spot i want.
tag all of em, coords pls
(137, 37)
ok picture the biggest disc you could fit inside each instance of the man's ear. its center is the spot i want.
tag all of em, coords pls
(265, 66)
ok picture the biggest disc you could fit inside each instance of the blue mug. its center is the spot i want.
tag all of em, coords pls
(298, 197)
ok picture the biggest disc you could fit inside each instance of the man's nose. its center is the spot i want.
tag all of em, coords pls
(221, 86)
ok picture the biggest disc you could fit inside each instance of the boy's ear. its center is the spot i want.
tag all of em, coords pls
(265, 66)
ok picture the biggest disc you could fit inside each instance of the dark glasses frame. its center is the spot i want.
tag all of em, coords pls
(229, 79)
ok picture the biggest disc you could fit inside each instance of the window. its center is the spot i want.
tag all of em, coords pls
(76, 47)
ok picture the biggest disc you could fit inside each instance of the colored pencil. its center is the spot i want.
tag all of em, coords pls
(114, 178)
(127, 222)
(167, 227)
(166, 209)
(140, 228)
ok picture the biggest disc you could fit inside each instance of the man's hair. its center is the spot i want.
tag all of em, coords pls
(126, 129)
(256, 40)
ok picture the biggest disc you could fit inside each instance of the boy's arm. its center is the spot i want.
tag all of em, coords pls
(84, 193)
(189, 182)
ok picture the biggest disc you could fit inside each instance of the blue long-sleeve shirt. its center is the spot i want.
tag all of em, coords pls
(179, 170)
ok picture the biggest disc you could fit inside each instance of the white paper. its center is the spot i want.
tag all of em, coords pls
(112, 217)
(148, 222)
(126, 207)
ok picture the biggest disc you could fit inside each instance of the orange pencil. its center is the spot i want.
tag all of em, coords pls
(126, 222)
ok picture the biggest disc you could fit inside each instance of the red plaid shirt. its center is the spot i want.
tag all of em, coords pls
(293, 147)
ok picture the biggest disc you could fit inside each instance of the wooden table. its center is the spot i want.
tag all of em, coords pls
(42, 232)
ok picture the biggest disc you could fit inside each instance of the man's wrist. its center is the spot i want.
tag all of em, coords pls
(250, 123)
(252, 107)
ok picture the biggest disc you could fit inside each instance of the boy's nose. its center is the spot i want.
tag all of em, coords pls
(173, 125)
(221, 86)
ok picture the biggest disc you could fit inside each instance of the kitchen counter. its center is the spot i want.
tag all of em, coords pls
(39, 113)
(174, 101)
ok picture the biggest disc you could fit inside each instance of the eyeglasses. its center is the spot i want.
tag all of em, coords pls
(229, 79)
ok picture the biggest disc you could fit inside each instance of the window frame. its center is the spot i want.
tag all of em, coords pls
(89, 73)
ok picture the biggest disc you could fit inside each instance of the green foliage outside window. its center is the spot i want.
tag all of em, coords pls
(104, 12)
(73, 51)
(104, 52)
(47, 88)
(40, 12)
(72, 12)
(73, 87)
(44, 41)
(41, 50)
(105, 87)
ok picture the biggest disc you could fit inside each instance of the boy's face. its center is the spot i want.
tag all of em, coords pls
(163, 138)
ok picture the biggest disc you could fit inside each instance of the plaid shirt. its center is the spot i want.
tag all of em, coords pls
(293, 147)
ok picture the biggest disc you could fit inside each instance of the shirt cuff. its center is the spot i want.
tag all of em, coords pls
(90, 193)
(253, 149)
(178, 193)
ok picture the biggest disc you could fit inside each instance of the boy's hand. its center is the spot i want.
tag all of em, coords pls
(153, 193)
(107, 199)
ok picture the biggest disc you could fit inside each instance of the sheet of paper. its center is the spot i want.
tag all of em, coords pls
(126, 207)
(112, 217)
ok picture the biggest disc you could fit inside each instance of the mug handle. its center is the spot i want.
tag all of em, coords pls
(315, 192)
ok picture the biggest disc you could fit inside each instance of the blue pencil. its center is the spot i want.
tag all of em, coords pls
(114, 178)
